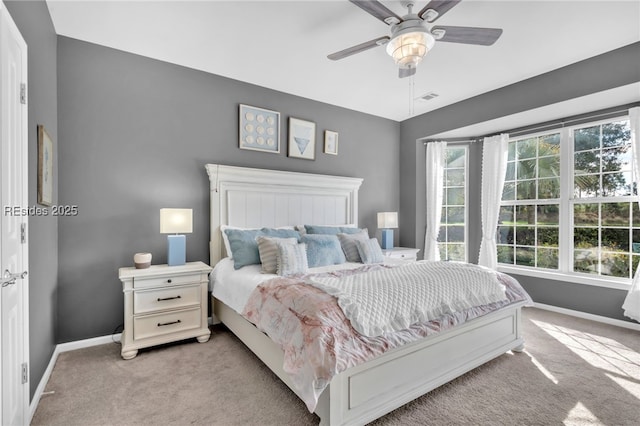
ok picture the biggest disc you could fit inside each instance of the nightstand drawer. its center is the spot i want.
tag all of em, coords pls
(402, 255)
(166, 298)
(144, 282)
(170, 322)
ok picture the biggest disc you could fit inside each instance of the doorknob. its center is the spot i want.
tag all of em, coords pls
(8, 278)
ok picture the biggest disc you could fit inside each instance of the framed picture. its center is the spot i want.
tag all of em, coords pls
(330, 142)
(259, 129)
(302, 139)
(45, 167)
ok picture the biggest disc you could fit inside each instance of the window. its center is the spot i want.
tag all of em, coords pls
(529, 220)
(453, 232)
(603, 210)
(568, 202)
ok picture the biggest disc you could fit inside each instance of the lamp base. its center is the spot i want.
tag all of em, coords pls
(387, 239)
(176, 250)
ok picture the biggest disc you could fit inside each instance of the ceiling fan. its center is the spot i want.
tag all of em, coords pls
(410, 38)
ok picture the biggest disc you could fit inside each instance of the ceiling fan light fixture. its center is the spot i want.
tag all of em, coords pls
(408, 49)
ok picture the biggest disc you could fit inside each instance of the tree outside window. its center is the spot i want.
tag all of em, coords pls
(600, 212)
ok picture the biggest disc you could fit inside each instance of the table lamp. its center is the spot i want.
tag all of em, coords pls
(176, 221)
(387, 221)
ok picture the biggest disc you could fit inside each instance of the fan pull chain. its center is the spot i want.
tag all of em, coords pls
(411, 95)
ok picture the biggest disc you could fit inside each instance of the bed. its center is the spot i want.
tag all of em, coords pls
(255, 198)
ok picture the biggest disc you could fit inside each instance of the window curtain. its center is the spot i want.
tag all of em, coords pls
(494, 168)
(435, 183)
(631, 303)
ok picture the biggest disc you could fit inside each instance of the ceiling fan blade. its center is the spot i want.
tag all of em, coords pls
(440, 6)
(377, 10)
(358, 48)
(406, 72)
(468, 35)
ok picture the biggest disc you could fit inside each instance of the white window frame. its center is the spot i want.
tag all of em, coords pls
(566, 202)
(466, 198)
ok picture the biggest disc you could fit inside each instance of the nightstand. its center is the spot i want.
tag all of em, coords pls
(401, 253)
(164, 304)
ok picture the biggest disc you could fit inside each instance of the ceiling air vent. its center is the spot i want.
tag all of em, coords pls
(427, 97)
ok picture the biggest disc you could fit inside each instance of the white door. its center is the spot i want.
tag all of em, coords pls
(14, 293)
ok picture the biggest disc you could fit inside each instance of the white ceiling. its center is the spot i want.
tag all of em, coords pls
(283, 45)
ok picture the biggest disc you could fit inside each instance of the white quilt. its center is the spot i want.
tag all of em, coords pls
(383, 301)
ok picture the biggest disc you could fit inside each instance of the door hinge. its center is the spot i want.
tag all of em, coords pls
(23, 233)
(25, 373)
(23, 93)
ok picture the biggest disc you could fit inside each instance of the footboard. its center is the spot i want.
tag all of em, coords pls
(368, 391)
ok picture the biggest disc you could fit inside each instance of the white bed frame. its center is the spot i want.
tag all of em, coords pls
(248, 197)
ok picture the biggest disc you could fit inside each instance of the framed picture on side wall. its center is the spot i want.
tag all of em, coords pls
(45, 167)
(259, 129)
(302, 139)
(330, 142)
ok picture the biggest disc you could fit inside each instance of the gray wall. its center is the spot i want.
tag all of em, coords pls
(34, 22)
(134, 136)
(610, 70)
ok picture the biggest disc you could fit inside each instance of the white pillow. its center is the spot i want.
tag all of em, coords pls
(370, 251)
(292, 259)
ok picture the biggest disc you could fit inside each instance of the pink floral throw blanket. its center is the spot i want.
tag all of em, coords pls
(318, 340)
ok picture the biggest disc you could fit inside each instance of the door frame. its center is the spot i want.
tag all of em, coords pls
(23, 146)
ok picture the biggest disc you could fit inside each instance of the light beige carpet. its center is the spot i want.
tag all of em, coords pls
(573, 372)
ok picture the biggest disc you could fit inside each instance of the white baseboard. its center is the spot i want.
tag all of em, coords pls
(43, 383)
(87, 343)
(60, 348)
(592, 317)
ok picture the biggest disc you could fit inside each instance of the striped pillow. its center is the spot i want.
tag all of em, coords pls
(268, 249)
(348, 243)
(370, 251)
(292, 259)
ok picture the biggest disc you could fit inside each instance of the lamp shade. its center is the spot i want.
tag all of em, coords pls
(176, 221)
(408, 48)
(387, 220)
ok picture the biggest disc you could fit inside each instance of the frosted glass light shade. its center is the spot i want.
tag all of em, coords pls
(176, 221)
(387, 220)
(408, 49)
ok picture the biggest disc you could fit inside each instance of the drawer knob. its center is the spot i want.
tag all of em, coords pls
(162, 324)
(169, 281)
(162, 299)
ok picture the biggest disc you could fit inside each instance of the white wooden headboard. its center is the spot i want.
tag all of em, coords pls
(253, 198)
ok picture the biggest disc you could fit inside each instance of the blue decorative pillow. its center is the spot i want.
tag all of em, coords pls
(370, 251)
(323, 250)
(291, 259)
(244, 247)
(280, 233)
(331, 230)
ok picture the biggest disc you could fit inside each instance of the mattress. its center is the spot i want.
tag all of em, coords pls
(234, 286)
